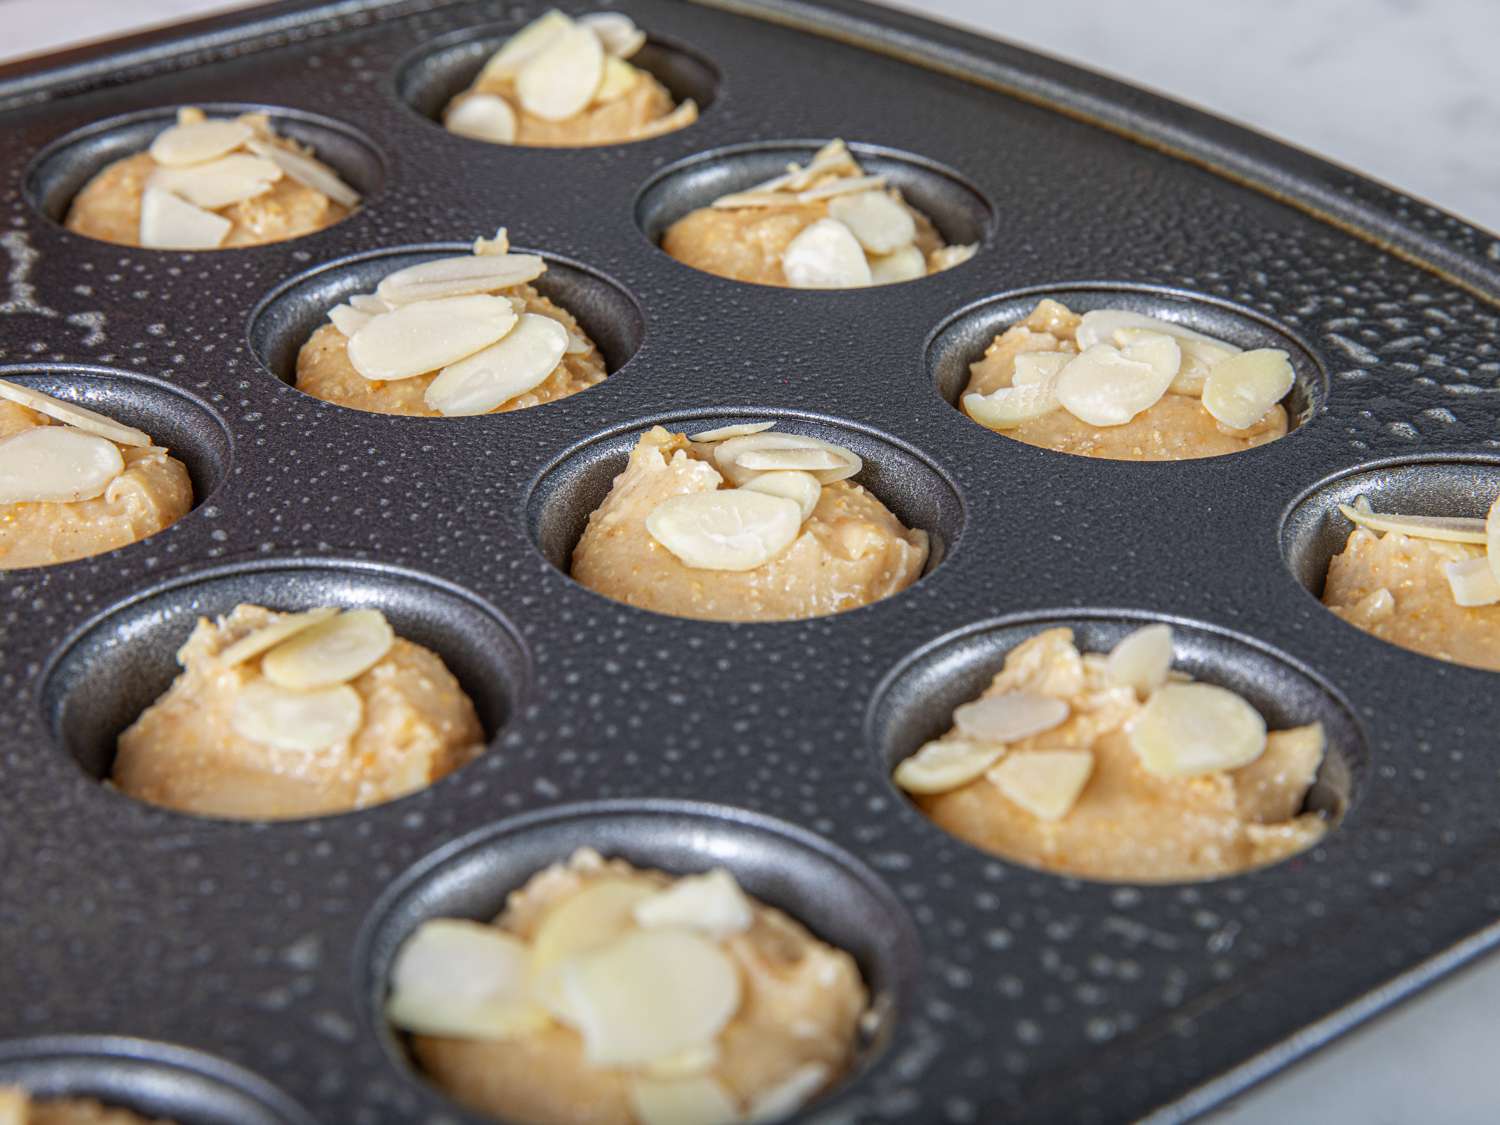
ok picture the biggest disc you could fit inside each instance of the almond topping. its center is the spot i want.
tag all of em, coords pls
(616, 31)
(789, 1095)
(1472, 582)
(1102, 326)
(1492, 537)
(946, 257)
(284, 628)
(619, 79)
(169, 223)
(753, 199)
(484, 117)
(879, 223)
(594, 917)
(56, 464)
(331, 652)
(1010, 717)
(560, 81)
(1105, 387)
(368, 303)
(1046, 783)
(1038, 367)
(845, 186)
(1005, 408)
(197, 142)
(522, 360)
(729, 529)
(296, 720)
(946, 764)
(699, 1100)
(306, 170)
(806, 460)
(727, 455)
(348, 319)
(905, 264)
(1240, 390)
(724, 433)
(1190, 729)
(711, 903)
(74, 415)
(1449, 529)
(230, 179)
(458, 277)
(685, 1064)
(1142, 659)
(465, 979)
(425, 336)
(794, 484)
(526, 45)
(825, 255)
(1198, 359)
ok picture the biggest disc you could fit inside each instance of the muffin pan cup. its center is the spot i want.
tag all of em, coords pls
(1025, 995)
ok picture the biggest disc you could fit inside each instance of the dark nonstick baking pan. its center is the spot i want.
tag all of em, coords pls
(231, 972)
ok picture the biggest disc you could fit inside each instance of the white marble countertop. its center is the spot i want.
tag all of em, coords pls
(1402, 90)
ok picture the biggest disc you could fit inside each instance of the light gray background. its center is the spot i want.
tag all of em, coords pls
(1406, 91)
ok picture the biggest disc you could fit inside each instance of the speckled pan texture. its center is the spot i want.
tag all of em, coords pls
(229, 972)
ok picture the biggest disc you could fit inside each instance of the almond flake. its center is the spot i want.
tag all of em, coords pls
(1038, 367)
(1472, 582)
(500, 244)
(846, 186)
(880, 223)
(1240, 390)
(525, 45)
(1198, 359)
(284, 628)
(904, 264)
(560, 81)
(616, 31)
(369, 304)
(806, 460)
(522, 360)
(825, 255)
(1010, 717)
(296, 720)
(1190, 729)
(648, 994)
(711, 903)
(348, 319)
(169, 223)
(598, 914)
(428, 335)
(946, 764)
(1005, 408)
(1101, 326)
(1448, 529)
(56, 464)
(618, 80)
(1104, 387)
(484, 117)
(833, 159)
(789, 1095)
(197, 142)
(724, 433)
(74, 415)
(727, 455)
(681, 117)
(463, 979)
(1142, 659)
(794, 484)
(219, 183)
(1046, 783)
(946, 257)
(458, 277)
(1492, 537)
(731, 529)
(699, 1100)
(307, 171)
(738, 199)
(685, 1064)
(331, 652)
(1159, 351)
(190, 115)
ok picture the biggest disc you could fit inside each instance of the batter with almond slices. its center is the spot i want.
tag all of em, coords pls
(1430, 584)
(1126, 387)
(825, 226)
(449, 338)
(18, 1108)
(279, 715)
(74, 483)
(605, 994)
(211, 184)
(1115, 767)
(745, 524)
(564, 82)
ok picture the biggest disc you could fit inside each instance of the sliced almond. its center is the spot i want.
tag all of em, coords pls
(833, 159)
(560, 81)
(1157, 350)
(724, 433)
(649, 994)
(198, 142)
(1190, 729)
(946, 257)
(169, 223)
(307, 171)
(711, 903)
(56, 464)
(680, 118)
(1104, 387)
(846, 186)
(794, 484)
(331, 652)
(618, 80)
(1010, 717)
(525, 45)
(428, 335)
(522, 360)
(15, 1106)
(731, 529)
(879, 223)
(463, 979)
(946, 764)
(1046, 783)
(1100, 326)
(190, 115)
(484, 117)
(598, 914)
(500, 244)
(1472, 582)
(296, 720)
(348, 319)
(806, 460)
(284, 628)
(727, 455)
(1005, 408)
(685, 1064)
(1038, 367)
(1142, 659)
(825, 255)
(616, 31)
(904, 264)
(459, 276)
(699, 1100)
(1240, 390)
(1198, 358)
(218, 183)
(1492, 537)
(74, 415)
(790, 1094)
(1448, 529)
(738, 199)
(368, 303)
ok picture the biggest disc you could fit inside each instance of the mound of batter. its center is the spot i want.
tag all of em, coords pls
(1429, 584)
(451, 337)
(690, 529)
(279, 715)
(74, 483)
(825, 226)
(210, 184)
(17, 1108)
(1122, 386)
(565, 83)
(605, 994)
(1116, 767)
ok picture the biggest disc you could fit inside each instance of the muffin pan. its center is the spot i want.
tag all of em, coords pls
(175, 951)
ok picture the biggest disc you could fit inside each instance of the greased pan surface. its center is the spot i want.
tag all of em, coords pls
(218, 970)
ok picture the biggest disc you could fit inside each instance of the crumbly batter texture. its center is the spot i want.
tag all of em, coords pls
(850, 552)
(153, 492)
(324, 370)
(17, 1108)
(1393, 587)
(1128, 823)
(184, 752)
(802, 1003)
